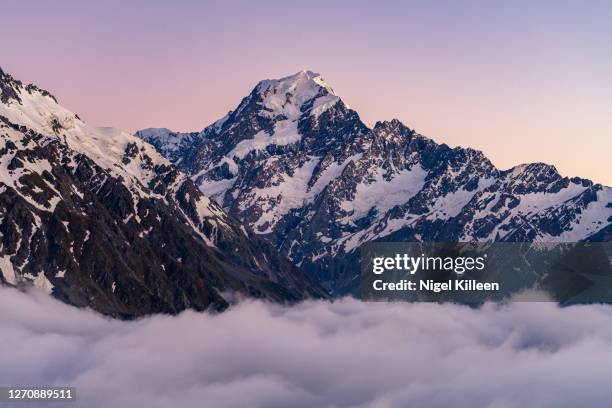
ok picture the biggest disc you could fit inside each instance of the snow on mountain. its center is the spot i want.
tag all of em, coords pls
(99, 218)
(117, 152)
(285, 97)
(298, 166)
(167, 142)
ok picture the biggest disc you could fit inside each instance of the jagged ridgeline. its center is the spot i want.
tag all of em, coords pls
(98, 218)
(299, 167)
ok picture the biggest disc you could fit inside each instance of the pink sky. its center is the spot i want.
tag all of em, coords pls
(522, 82)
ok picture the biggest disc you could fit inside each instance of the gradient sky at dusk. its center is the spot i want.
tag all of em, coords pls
(522, 81)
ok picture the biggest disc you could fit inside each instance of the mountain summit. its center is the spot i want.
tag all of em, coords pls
(299, 167)
(287, 96)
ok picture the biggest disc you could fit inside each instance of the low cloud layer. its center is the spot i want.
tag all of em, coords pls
(345, 354)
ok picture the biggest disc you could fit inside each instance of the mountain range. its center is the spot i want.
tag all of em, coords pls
(271, 201)
(300, 169)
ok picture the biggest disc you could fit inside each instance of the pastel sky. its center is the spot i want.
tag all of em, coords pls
(523, 81)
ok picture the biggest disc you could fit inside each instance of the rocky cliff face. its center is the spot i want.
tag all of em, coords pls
(299, 167)
(98, 218)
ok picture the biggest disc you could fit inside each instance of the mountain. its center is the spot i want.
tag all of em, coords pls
(300, 168)
(98, 218)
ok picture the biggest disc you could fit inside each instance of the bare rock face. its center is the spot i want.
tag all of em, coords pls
(300, 168)
(98, 218)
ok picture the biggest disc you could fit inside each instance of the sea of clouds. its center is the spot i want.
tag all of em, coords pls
(316, 354)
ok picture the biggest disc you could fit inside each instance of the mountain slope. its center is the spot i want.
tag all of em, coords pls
(98, 218)
(299, 166)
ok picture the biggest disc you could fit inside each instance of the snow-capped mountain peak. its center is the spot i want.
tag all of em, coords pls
(298, 83)
(286, 97)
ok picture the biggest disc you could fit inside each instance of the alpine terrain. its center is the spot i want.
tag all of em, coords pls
(299, 167)
(98, 218)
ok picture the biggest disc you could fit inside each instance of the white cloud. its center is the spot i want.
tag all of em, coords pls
(314, 355)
